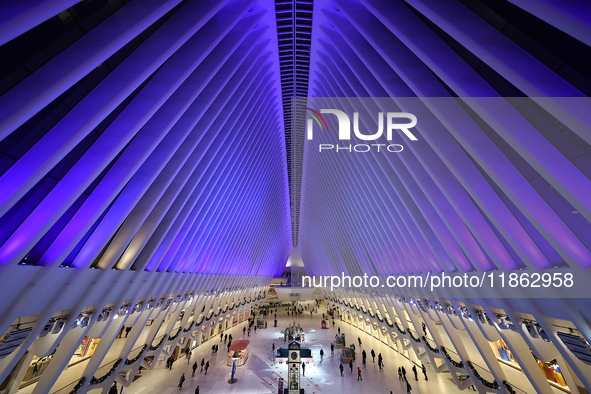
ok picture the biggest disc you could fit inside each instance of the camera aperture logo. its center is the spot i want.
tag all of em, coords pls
(344, 131)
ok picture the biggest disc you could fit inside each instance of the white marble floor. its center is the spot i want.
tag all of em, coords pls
(260, 373)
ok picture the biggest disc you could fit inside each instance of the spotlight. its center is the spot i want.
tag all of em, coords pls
(78, 321)
(85, 320)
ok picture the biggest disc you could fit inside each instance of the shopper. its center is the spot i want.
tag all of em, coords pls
(202, 364)
(230, 337)
(399, 374)
(341, 368)
(359, 340)
(332, 348)
(359, 374)
(194, 369)
(206, 367)
(364, 357)
(229, 344)
(303, 368)
(127, 330)
(414, 369)
(243, 330)
(181, 381)
(197, 390)
(373, 355)
(321, 354)
(403, 371)
(351, 366)
(273, 348)
(408, 387)
(248, 332)
(113, 389)
(189, 354)
(424, 371)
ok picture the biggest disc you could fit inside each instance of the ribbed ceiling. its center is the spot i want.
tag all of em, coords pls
(294, 32)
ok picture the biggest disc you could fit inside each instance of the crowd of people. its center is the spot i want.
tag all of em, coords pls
(204, 365)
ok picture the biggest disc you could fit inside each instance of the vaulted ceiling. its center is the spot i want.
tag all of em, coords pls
(163, 135)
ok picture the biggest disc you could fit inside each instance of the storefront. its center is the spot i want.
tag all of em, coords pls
(550, 369)
(35, 369)
(84, 350)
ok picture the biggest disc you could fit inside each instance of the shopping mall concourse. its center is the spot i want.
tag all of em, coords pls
(295, 196)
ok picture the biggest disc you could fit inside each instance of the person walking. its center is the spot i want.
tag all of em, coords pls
(194, 369)
(364, 357)
(121, 332)
(189, 354)
(408, 387)
(339, 330)
(403, 371)
(424, 371)
(332, 348)
(414, 369)
(380, 361)
(113, 389)
(221, 336)
(202, 364)
(359, 374)
(399, 374)
(373, 355)
(351, 366)
(248, 332)
(229, 344)
(303, 368)
(255, 329)
(273, 348)
(127, 330)
(341, 368)
(321, 354)
(243, 330)
(181, 381)
(197, 390)
(230, 337)
(206, 367)
(359, 340)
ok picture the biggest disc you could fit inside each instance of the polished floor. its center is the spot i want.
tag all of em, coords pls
(260, 374)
